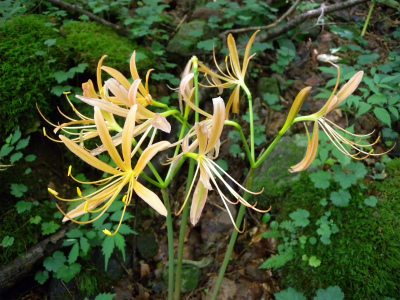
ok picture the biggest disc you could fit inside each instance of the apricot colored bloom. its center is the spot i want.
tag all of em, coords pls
(234, 75)
(121, 176)
(320, 121)
(207, 142)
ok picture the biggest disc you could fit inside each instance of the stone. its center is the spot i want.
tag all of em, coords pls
(183, 42)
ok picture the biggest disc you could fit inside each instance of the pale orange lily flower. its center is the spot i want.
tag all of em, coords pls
(234, 75)
(122, 175)
(337, 139)
(208, 141)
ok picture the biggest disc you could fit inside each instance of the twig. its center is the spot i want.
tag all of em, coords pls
(273, 33)
(92, 16)
(276, 23)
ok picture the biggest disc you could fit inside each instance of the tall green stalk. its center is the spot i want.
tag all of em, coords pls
(368, 18)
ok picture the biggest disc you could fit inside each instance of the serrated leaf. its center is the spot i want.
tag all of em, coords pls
(55, 262)
(18, 190)
(321, 179)
(289, 294)
(331, 293)
(314, 261)
(363, 108)
(120, 243)
(206, 45)
(7, 241)
(30, 158)
(16, 136)
(5, 150)
(67, 273)
(16, 157)
(341, 198)
(73, 254)
(58, 90)
(23, 143)
(105, 296)
(383, 116)
(125, 229)
(35, 220)
(84, 244)
(49, 227)
(61, 76)
(42, 276)
(358, 168)
(74, 233)
(107, 248)
(345, 180)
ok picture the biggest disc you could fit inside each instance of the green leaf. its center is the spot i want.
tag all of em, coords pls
(7, 241)
(35, 220)
(18, 190)
(266, 217)
(16, 157)
(41, 276)
(371, 201)
(314, 261)
(67, 273)
(289, 294)
(278, 261)
(273, 234)
(58, 90)
(79, 69)
(5, 150)
(312, 240)
(196, 33)
(364, 108)
(73, 254)
(331, 293)
(84, 244)
(74, 233)
(61, 76)
(50, 42)
(367, 59)
(321, 179)
(16, 136)
(105, 296)
(125, 229)
(107, 249)
(271, 99)
(235, 150)
(383, 115)
(300, 217)
(55, 262)
(377, 99)
(341, 198)
(223, 164)
(288, 225)
(206, 45)
(23, 143)
(49, 227)
(345, 180)
(28, 171)
(358, 168)
(30, 158)
(40, 53)
(120, 243)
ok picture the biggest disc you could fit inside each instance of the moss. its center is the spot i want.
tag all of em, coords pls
(364, 257)
(89, 41)
(27, 65)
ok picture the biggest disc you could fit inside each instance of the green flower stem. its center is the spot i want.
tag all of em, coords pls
(246, 146)
(160, 105)
(177, 115)
(269, 149)
(152, 181)
(234, 236)
(182, 233)
(250, 100)
(170, 232)
(368, 17)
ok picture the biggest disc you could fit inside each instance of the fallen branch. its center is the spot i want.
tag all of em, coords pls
(74, 8)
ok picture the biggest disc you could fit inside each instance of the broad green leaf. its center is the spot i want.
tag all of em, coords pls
(364, 108)
(312, 240)
(16, 157)
(5, 150)
(314, 261)
(7, 241)
(50, 42)
(67, 273)
(266, 217)
(30, 158)
(74, 233)
(23, 143)
(55, 262)
(345, 180)
(73, 254)
(107, 248)
(42, 276)
(321, 179)
(367, 59)
(28, 171)
(371, 201)
(377, 99)
(289, 294)
(35, 220)
(49, 227)
(300, 217)
(18, 190)
(273, 234)
(383, 115)
(341, 198)
(84, 244)
(358, 168)
(105, 296)
(16, 136)
(331, 293)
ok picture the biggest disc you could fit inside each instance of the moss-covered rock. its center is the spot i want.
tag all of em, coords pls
(364, 256)
(27, 65)
(89, 41)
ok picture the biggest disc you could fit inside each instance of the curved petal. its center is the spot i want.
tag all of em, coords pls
(105, 105)
(148, 154)
(198, 202)
(118, 76)
(217, 123)
(246, 57)
(98, 73)
(349, 87)
(150, 198)
(127, 135)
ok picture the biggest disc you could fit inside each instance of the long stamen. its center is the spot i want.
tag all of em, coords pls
(189, 191)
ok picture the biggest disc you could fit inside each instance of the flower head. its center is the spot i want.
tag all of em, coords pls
(121, 176)
(338, 140)
(234, 75)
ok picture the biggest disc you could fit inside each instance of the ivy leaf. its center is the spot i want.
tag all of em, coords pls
(67, 273)
(371, 201)
(321, 179)
(23, 143)
(42, 276)
(49, 227)
(289, 294)
(18, 190)
(73, 254)
(55, 262)
(331, 293)
(16, 157)
(300, 217)
(341, 198)
(314, 261)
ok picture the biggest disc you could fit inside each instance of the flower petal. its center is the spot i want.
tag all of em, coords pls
(127, 135)
(148, 154)
(150, 198)
(246, 58)
(198, 202)
(218, 121)
(118, 76)
(349, 87)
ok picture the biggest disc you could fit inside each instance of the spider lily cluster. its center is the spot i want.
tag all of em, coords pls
(132, 145)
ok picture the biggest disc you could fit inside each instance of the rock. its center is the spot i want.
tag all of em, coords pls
(268, 85)
(273, 174)
(147, 245)
(183, 42)
(191, 276)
